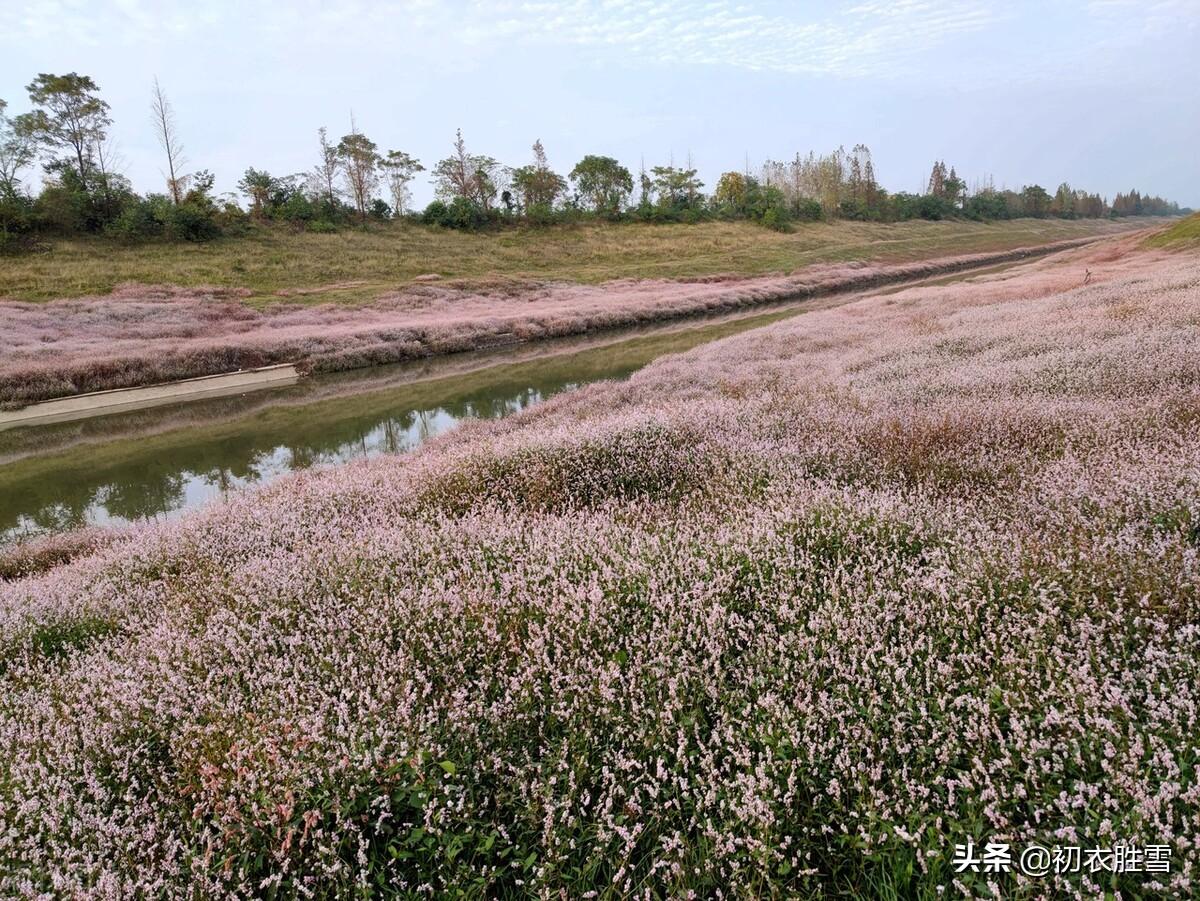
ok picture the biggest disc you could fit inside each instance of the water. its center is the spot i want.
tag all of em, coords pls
(157, 463)
(160, 462)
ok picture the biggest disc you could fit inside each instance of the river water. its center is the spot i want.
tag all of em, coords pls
(159, 462)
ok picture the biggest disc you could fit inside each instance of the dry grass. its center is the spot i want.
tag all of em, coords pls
(357, 265)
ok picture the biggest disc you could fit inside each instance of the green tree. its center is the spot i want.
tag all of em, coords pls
(538, 185)
(603, 182)
(1035, 201)
(17, 151)
(954, 189)
(69, 115)
(400, 169)
(937, 180)
(258, 185)
(1063, 204)
(677, 188)
(360, 165)
(732, 193)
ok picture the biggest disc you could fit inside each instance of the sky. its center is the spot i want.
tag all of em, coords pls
(1104, 94)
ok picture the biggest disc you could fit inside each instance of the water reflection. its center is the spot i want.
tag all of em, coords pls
(156, 463)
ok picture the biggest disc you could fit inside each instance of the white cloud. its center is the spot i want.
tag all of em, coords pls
(869, 38)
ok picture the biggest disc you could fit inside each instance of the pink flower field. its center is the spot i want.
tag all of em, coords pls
(789, 615)
(142, 335)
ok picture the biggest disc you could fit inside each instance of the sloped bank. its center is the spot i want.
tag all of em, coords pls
(145, 335)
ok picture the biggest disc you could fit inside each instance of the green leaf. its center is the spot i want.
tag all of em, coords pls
(449, 767)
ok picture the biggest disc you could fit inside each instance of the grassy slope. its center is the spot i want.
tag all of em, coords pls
(271, 260)
(1185, 233)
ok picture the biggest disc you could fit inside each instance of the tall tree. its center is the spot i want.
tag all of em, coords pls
(360, 163)
(69, 114)
(937, 180)
(17, 151)
(1063, 204)
(163, 118)
(955, 188)
(400, 169)
(329, 166)
(862, 187)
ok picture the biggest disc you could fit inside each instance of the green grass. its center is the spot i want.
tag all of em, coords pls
(357, 265)
(1183, 234)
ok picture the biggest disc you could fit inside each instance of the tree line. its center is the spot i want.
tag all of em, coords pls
(354, 181)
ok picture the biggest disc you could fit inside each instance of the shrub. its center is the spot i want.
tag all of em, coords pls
(460, 213)
(379, 210)
(807, 210)
(141, 218)
(16, 223)
(192, 221)
(775, 220)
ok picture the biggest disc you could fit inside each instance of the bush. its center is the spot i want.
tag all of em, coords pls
(774, 220)
(232, 220)
(296, 209)
(435, 213)
(379, 210)
(16, 223)
(140, 218)
(540, 214)
(807, 210)
(61, 210)
(460, 213)
(192, 221)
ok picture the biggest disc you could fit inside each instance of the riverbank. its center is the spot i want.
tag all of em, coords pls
(793, 613)
(157, 463)
(143, 336)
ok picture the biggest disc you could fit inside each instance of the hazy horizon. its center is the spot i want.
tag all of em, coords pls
(1102, 93)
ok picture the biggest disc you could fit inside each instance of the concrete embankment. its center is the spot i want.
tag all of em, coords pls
(100, 403)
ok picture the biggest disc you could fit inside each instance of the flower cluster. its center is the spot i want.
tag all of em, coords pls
(793, 613)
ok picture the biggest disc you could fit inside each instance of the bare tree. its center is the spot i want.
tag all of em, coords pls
(324, 175)
(474, 178)
(163, 117)
(108, 180)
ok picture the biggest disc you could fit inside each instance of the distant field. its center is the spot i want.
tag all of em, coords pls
(356, 265)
